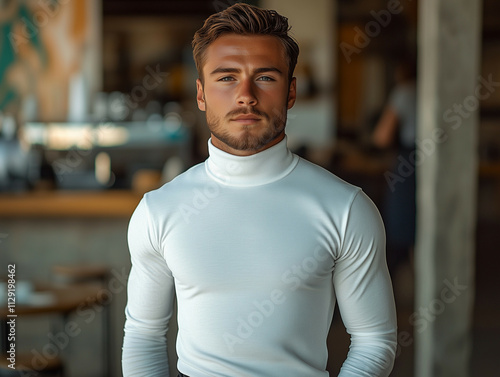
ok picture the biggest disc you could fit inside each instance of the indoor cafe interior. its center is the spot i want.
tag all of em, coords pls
(98, 106)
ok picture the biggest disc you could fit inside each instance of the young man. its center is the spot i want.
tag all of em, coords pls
(256, 243)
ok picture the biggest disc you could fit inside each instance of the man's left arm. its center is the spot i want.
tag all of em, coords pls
(364, 293)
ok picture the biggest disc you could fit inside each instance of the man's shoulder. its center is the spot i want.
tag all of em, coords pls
(320, 178)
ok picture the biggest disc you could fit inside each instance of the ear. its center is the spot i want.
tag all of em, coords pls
(200, 96)
(292, 93)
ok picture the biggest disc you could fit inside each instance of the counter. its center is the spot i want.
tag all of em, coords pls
(77, 204)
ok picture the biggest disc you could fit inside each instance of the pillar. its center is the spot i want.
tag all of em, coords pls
(449, 94)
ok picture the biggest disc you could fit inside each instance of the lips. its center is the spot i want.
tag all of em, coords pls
(246, 117)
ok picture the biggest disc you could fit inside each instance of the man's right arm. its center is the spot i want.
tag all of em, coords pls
(150, 301)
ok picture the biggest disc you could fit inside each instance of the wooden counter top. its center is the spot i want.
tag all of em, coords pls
(61, 299)
(68, 204)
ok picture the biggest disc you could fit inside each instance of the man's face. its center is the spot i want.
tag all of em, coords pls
(245, 92)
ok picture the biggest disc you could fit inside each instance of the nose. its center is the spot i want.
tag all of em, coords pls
(246, 94)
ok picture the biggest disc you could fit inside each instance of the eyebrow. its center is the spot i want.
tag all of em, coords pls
(237, 70)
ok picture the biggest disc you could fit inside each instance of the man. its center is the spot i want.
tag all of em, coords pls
(256, 243)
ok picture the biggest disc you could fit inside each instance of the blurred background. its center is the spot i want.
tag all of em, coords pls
(97, 107)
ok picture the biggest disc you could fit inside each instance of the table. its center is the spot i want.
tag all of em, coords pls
(66, 299)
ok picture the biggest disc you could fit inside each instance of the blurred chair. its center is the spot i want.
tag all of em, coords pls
(90, 273)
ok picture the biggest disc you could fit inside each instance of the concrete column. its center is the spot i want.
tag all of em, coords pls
(450, 92)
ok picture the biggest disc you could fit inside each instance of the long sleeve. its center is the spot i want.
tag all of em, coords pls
(150, 301)
(364, 293)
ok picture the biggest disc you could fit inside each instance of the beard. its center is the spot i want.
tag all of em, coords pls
(251, 137)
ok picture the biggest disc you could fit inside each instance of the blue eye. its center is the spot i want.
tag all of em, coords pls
(226, 78)
(265, 78)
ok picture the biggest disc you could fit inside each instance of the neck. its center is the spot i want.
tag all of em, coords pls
(237, 152)
(265, 166)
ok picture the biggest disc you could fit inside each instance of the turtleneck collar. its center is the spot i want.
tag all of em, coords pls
(260, 168)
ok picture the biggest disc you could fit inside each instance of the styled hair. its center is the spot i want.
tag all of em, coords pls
(244, 19)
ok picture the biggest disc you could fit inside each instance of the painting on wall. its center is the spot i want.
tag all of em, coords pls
(49, 58)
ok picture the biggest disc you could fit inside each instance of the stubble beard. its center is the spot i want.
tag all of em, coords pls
(248, 139)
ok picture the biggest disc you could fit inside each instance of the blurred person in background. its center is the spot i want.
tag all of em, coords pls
(397, 128)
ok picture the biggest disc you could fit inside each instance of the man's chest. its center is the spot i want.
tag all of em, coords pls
(251, 249)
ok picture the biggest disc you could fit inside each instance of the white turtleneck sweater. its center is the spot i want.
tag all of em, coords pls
(257, 250)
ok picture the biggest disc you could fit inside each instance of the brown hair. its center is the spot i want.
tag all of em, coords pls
(244, 19)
